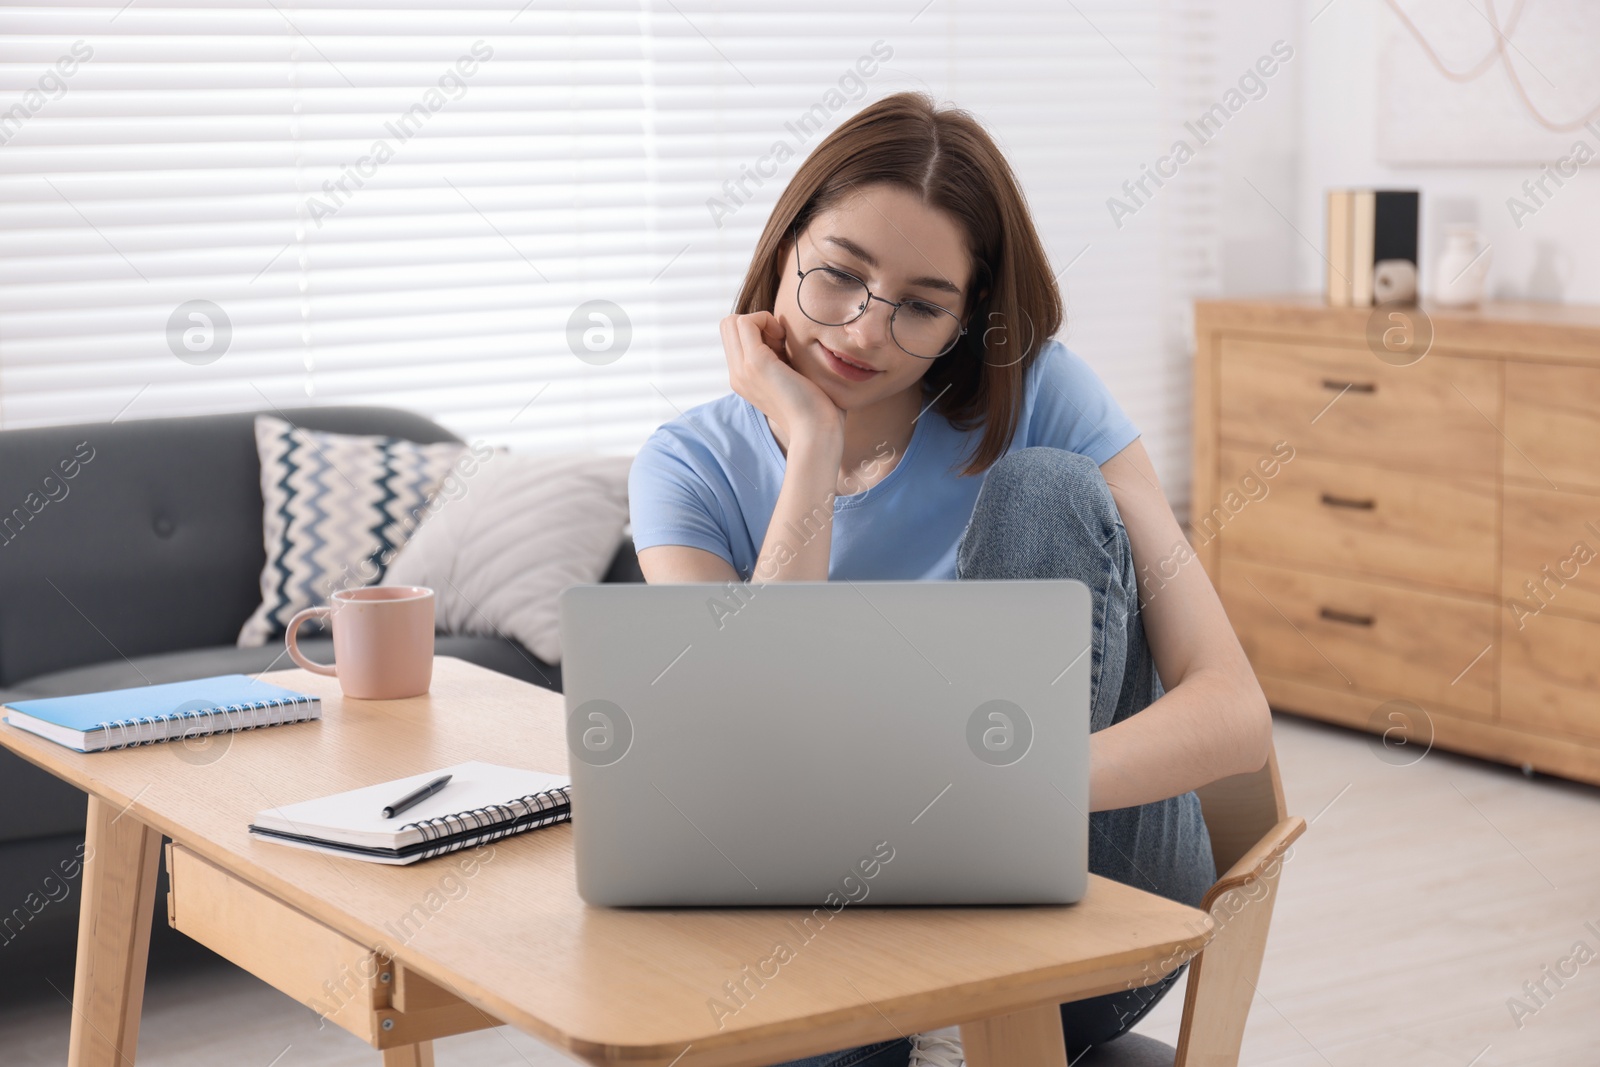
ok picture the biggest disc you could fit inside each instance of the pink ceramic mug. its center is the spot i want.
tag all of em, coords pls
(382, 641)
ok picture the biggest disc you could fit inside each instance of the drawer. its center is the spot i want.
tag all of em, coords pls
(1439, 413)
(1552, 673)
(374, 997)
(1553, 425)
(1552, 554)
(1433, 529)
(1342, 633)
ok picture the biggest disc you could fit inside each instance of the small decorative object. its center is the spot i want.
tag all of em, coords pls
(1394, 281)
(1463, 268)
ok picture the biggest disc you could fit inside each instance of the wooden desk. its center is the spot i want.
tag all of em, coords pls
(402, 955)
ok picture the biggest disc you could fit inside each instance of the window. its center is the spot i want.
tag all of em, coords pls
(525, 220)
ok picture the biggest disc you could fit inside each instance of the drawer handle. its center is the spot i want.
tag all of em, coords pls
(1346, 502)
(1354, 387)
(1333, 615)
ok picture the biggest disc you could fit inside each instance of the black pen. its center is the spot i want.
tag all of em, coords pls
(415, 797)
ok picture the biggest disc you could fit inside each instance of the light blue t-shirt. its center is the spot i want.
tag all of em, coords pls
(710, 478)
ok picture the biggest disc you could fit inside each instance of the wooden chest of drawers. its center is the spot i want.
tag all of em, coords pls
(1423, 559)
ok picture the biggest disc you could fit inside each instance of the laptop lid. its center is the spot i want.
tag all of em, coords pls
(825, 742)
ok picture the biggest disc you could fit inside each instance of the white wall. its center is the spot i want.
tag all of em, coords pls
(1321, 134)
(1260, 154)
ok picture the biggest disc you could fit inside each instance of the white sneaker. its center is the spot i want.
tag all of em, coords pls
(937, 1048)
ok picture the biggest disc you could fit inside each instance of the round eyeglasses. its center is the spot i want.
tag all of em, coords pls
(835, 298)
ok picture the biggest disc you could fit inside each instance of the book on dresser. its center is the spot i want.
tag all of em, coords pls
(1408, 543)
(148, 714)
(1365, 228)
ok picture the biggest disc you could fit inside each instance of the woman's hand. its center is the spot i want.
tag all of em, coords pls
(759, 370)
(811, 429)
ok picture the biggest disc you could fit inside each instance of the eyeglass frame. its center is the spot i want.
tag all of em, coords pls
(871, 296)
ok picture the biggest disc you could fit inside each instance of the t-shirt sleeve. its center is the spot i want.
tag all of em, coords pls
(1071, 407)
(669, 503)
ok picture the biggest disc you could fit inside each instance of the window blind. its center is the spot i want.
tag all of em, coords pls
(525, 220)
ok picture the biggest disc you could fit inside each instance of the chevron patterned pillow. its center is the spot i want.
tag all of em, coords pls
(337, 508)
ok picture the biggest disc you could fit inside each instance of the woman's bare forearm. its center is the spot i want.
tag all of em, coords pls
(1212, 725)
(800, 533)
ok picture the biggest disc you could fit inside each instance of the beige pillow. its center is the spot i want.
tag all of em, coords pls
(523, 529)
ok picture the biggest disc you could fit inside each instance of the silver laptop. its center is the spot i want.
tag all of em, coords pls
(825, 743)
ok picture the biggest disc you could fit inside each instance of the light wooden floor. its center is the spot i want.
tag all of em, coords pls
(1419, 902)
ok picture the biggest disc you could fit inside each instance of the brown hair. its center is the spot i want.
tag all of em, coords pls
(950, 161)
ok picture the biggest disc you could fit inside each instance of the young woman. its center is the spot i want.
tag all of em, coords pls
(899, 400)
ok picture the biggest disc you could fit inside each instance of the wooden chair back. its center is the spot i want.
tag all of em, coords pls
(1251, 830)
(1241, 810)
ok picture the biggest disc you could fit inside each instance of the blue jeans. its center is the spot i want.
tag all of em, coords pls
(1047, 513)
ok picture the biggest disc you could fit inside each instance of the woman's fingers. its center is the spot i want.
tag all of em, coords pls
(770, 327)
(754, 337)
(744, 335)
(732, 346)
(759, 370)
(773, 334)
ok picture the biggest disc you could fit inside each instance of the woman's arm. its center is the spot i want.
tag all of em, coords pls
(1213, 720)
(815, 430)
(681, 563)
(804, 503)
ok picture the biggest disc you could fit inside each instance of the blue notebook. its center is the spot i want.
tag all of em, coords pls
(145, 714)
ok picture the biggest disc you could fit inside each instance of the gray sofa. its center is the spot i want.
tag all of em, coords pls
(142, 565)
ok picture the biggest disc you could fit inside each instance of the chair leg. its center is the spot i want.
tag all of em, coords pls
(418, 1055)
(1030, 1038)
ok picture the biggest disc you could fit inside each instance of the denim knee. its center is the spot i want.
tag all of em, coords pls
(1041, 513)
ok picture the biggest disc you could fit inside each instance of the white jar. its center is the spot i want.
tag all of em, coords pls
(1463, 268)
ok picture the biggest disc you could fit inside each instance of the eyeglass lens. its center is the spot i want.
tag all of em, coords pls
(834, 298)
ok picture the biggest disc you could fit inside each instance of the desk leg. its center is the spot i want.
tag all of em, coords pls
(114, 915)
(418, 1055)
(1032, 1038)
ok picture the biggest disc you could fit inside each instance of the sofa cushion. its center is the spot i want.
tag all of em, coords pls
(527, 528)
(336, 508)
(492, 652)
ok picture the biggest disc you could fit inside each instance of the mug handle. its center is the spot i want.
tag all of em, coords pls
(294, 649)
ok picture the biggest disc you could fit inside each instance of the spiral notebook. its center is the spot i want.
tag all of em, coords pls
(483, 802)
(146, 714)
